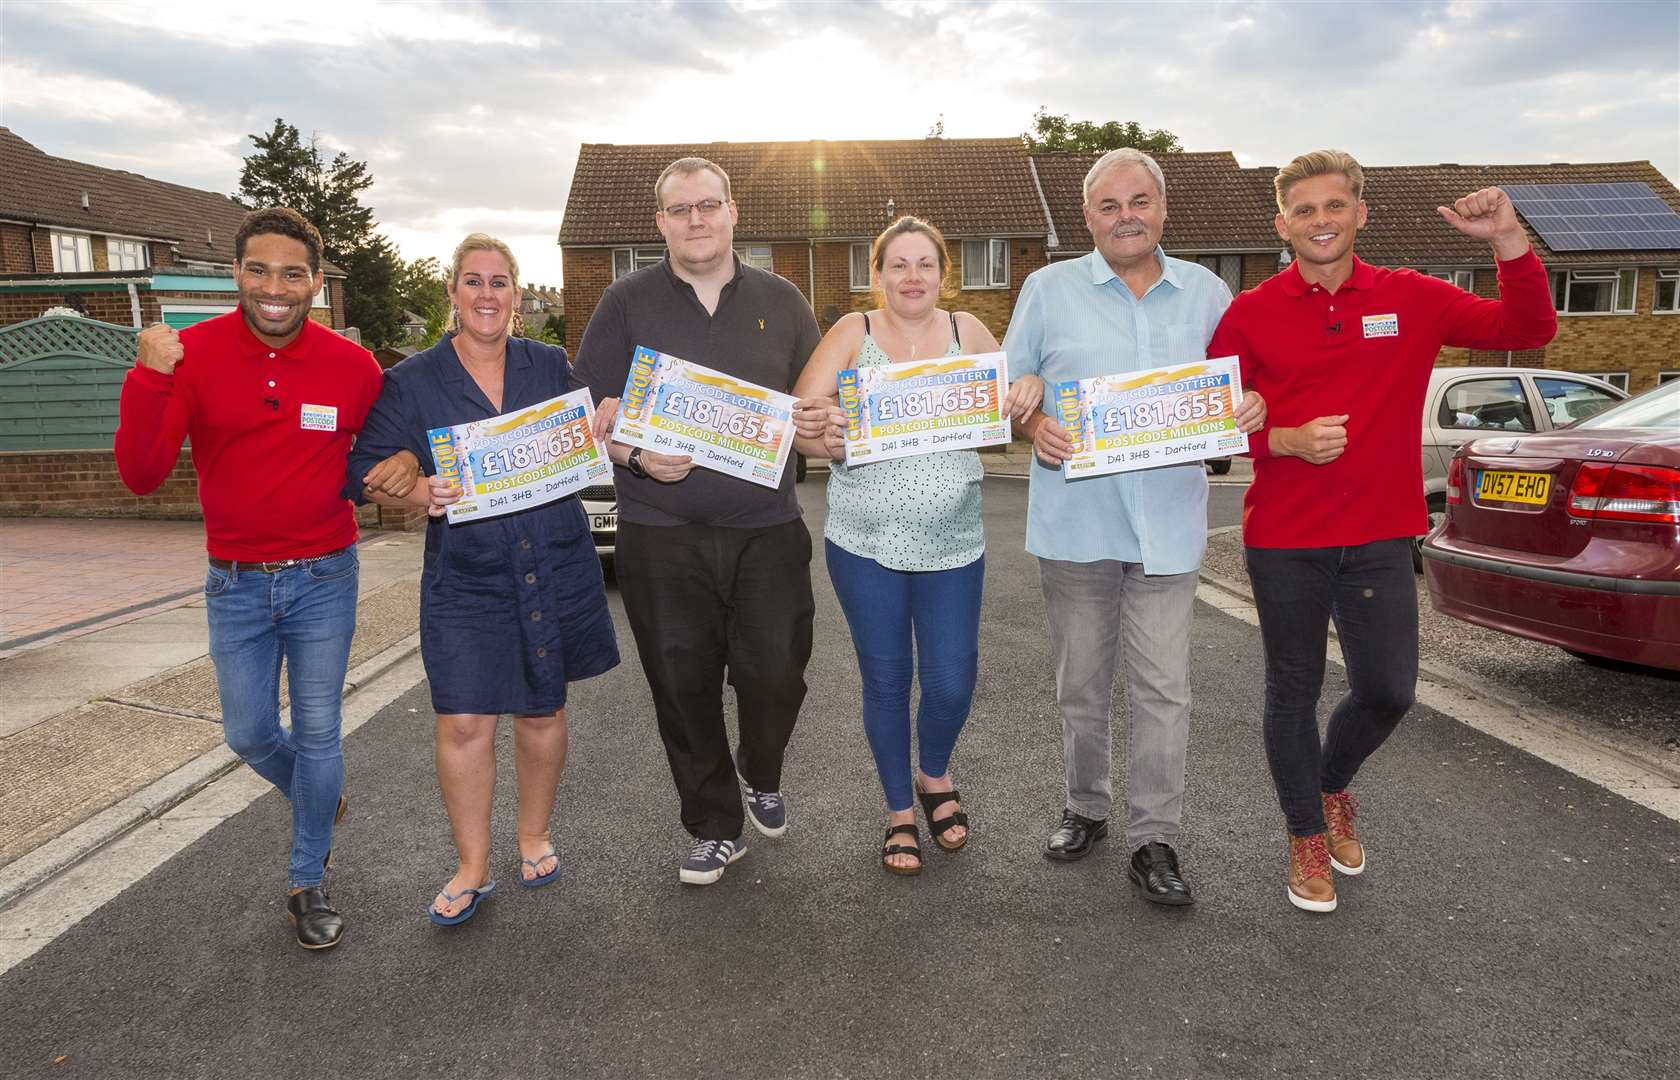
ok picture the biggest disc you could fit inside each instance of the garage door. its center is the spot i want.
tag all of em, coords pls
(184, 317)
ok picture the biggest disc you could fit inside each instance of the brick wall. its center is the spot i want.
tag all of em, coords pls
(335, 296)
(160, 254)
(84, 483)
(15, 250)
(41, 240)
(111, 307)
(588, 273)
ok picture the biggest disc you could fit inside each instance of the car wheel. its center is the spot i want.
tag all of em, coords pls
(1219, 466)
(1437, 513)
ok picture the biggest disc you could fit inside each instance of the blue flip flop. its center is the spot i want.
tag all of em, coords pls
(465, 913)
(540, 879)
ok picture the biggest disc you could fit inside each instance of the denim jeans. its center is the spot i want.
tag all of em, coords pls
(305, 614)
(884, 608)
(1370, 590)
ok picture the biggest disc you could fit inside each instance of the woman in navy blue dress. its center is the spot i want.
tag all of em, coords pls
(512, 608)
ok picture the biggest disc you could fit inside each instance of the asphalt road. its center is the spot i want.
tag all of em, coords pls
(1514, 922)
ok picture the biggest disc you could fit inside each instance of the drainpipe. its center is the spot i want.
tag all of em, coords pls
(134, 304)
(811, 270)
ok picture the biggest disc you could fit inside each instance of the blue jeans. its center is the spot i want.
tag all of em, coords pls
(1370, 591)
(306, 614)
(884, 608)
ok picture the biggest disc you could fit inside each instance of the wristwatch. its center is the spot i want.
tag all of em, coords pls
(634, 463)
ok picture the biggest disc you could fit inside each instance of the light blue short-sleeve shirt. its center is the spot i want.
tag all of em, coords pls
(1075, 320)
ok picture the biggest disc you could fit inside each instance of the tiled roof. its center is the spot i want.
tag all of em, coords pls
(1210, 202)
(37, 187)
(796, 190)
(1404, 229)
(41, 189)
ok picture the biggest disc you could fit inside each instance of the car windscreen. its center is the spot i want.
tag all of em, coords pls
(1659, 408)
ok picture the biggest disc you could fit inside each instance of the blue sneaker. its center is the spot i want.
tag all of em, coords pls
(705, 864)
(767, 810)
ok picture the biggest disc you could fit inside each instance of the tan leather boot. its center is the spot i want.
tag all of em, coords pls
(1347, 855)
(1310, 887)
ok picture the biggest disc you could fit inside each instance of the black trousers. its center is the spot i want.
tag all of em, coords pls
(1370, 590)
(704, 603)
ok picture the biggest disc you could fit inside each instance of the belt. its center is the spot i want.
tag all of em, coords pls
(272, 567)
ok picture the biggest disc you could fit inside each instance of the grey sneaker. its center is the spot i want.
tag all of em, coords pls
(767, 810)
(705, 864)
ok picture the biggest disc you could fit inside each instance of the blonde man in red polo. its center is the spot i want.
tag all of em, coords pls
(1342, 351)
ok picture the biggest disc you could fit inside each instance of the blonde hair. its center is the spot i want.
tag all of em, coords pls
(485, 242)
(1124, 157)
(901, 227)
(1319, 163)
(688, 166)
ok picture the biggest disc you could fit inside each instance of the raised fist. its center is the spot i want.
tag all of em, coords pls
(160, 348)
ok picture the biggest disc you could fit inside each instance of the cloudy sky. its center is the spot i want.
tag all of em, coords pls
(470, 114)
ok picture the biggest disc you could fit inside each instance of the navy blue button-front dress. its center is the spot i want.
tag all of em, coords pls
(512, 608)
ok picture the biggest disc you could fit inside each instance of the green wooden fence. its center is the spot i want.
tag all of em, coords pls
(60, 377)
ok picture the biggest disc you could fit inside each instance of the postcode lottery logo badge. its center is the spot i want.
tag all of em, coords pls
(1382, 325)
(319, 418)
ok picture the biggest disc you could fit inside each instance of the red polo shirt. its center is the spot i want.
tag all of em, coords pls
(1365, 350)
(270, 431)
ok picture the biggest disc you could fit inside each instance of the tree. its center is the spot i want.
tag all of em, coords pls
(285, 170)
(554, 331)
(420, 287)
(1057, 132)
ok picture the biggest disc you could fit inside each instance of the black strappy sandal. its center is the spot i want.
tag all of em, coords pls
(888, 848)
(931, 801)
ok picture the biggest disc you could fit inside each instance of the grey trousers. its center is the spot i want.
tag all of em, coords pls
(1104, 614)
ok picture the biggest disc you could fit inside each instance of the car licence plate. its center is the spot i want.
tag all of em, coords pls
(1519, 487)
(603, 522)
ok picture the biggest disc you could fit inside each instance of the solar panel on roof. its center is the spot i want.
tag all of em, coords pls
(1624, 216)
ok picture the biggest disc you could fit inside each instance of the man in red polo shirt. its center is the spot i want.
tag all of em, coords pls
(1342, 351)
(270, 400)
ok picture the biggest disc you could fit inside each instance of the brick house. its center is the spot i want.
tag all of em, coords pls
(117, 246)
(809, 209)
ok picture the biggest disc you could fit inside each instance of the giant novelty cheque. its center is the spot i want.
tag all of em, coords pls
(673, 406)
(523, 458)
(923, 406)
(1143, 419)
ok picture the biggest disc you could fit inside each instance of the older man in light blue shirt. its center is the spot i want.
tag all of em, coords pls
(1118, 554)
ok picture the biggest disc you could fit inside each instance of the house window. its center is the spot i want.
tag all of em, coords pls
(1228, 267)
(72, 253)
(126, 254)
(1668, 292)
(1618, 379)
(1594, 292)
(985, 264)
(858, 274)
(1464, 279)
(629, 260)
(321, 299)
(1667, 376)
(757, 255)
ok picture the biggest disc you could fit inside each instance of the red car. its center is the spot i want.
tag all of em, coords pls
(1570, 537)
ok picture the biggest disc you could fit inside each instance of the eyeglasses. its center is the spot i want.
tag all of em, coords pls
(707, 208)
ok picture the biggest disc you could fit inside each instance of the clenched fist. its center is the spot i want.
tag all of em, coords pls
(160, 348)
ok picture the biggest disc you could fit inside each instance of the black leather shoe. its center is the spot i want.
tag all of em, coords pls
(1074, 836)
(318, 925)
(1154, 871)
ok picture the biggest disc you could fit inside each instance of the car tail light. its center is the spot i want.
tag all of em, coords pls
(1626, 493)
(1455, 481)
